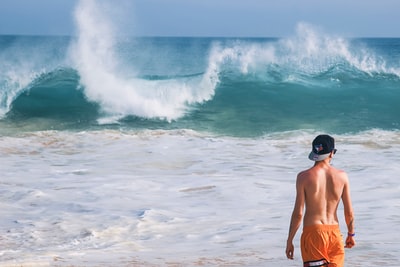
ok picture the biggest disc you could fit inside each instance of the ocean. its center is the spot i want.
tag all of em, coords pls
(166, 151)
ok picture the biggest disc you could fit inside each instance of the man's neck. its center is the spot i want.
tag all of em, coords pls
(326, 163)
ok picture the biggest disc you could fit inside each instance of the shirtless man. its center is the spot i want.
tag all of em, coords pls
(320, 189)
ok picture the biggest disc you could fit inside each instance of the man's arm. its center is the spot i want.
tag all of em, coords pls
(297, 215)
(348, 214)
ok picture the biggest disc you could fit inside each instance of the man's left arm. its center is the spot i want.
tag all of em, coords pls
(296, 218)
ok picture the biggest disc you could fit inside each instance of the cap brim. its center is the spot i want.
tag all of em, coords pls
(316, 157)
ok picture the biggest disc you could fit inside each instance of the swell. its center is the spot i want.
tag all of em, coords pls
(256, 108)
(270, 98)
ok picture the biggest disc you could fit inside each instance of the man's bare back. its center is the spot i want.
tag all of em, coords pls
(323, 187)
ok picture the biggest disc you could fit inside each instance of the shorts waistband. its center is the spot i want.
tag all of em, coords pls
(321, 227)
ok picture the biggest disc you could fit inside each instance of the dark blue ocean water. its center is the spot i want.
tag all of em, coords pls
(229, 86)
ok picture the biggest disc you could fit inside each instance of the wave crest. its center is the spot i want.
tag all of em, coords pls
(308, 53)
(119, 94)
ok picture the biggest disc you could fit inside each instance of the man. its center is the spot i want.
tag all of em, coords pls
(320, 189)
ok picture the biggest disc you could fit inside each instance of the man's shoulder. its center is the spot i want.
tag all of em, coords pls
(338, 171)
(305, 173)
(343, 175)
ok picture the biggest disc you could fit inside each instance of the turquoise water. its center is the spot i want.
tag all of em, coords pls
(236, 87)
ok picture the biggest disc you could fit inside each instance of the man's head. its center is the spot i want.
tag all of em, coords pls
(322, 146)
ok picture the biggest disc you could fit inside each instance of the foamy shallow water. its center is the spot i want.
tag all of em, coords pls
(180, 198)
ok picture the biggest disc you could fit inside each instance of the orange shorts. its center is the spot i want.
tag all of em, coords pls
(322, 245)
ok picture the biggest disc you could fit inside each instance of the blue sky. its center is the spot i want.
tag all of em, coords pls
(253, 18)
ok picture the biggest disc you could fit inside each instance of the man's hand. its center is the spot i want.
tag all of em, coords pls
(350, 242)
(289, 250)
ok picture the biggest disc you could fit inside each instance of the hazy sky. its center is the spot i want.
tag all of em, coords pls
(254, 18)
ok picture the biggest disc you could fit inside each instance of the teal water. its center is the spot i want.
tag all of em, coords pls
(237, 87)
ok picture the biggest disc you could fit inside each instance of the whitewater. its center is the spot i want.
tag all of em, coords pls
(164, 151)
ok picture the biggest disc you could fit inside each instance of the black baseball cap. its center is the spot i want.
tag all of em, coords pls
(322, 146)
